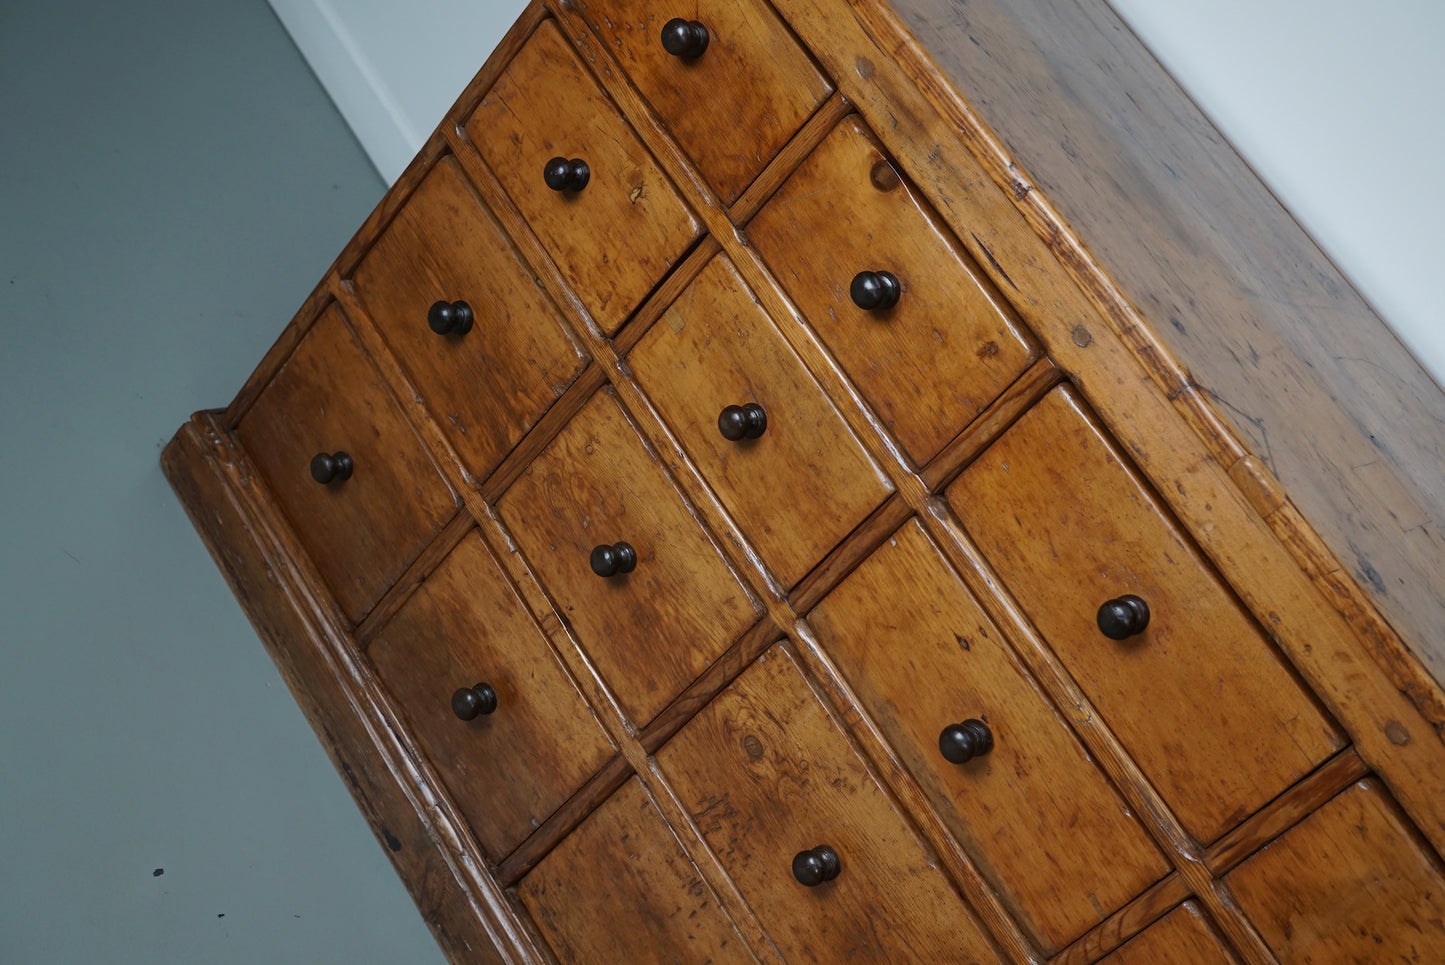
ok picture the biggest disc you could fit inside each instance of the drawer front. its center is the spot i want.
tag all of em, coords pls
(1182, 937)
(1352, 882)
(362, 530)
(732, 105)
(621, 889)
(487, 379)
(923, 658)
(766, 775)
(613, 238)
(801, 485)
(1214, 717)
(649, 631)
(946, 348)
(464, 627)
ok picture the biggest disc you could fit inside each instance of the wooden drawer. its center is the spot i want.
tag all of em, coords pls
(1023, 177)
(766, 774)
(614, 238)
(621, 889)
(649, 631)
(1182, 937)
(465, 626)
(1350, 883)
(734, 105)
(1216, 720)
(805, 482)
(486, 386)
(923, 657)
(949, 345)
(363, 530)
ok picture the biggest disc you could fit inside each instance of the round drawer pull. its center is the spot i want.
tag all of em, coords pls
(684, 38)
(739, 422)
(875, 290)
(961, 743)
(449, 318)
(564, 175)
(326, 466)
(471, 702)
(815, 866)
(1124, 617)
(610, 560)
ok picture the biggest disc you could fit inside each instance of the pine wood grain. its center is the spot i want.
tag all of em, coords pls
(1011, 942)
(1003, 226)
(1124, 923)
(1182, 937)
(466, 914)
(1221, 274)
(932, 362)
(664, 295)
(563, 821)
(1350, 883)
(531, 17)
(1128, 777)
(1142, 393)
(806, 483)
(738, 248)
(1285, 811)
(702, 690)
(849, 553)
(921, 656)
(464, 626)
(617, 237)
(651, 631)
(485, 388)
(406, 584)
(1003, 412)
(621, 889)
(322, 294)
(732, 108)
(1200, 691)
(280, 350)
(765, 774)
(546, 429)
(362, 532)
(811, 134)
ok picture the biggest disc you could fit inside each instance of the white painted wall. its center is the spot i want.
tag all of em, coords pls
(1336, 103)
(393, 67)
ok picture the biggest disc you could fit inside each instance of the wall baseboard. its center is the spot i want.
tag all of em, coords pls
(357, 88)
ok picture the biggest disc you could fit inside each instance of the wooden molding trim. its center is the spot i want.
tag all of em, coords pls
(1256, 483)
(1106, 302)
(426, 841)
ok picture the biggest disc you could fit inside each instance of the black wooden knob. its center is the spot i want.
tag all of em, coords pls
(817, 865)
(1124, 617)
(875, 290)
(611, 560)
(684, 38)
(564, 175)
(450, 318)
(738, 422)
(474, 701)
(326, 466)
(961, 743)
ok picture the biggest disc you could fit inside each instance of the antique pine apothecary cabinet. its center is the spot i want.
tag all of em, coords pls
(852, 480)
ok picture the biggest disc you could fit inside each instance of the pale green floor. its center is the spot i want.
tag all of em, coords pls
(173, 183)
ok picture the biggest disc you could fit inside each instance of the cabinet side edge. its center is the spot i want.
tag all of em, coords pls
(468, 927)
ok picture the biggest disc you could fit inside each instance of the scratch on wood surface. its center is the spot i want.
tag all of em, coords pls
(993, 261)
(1268, 454)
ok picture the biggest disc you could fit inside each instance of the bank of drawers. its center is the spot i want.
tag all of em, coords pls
(628, 568)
